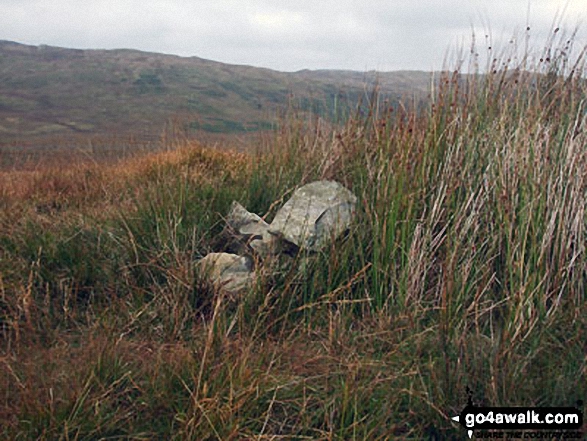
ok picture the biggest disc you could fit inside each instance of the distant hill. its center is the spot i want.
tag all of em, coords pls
(50, 91)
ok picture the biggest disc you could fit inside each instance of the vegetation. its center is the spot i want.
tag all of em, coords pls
(465, 267)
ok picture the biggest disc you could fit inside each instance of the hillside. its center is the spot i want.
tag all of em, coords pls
(50, 91)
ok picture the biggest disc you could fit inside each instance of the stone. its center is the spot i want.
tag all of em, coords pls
(265, 245)
(252, 228)
(315, 214)
(243, 221)
(228, 272)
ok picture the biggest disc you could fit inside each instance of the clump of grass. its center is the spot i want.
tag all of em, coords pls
(465, 267)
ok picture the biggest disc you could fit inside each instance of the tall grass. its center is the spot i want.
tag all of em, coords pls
(465, 267)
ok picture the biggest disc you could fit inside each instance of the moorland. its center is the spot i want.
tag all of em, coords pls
(465, 267)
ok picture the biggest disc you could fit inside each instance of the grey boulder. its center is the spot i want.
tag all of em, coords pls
(315, 215)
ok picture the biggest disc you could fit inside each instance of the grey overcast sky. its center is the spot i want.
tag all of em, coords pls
(289, 35)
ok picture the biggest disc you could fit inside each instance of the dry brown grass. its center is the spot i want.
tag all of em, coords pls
(89, 184)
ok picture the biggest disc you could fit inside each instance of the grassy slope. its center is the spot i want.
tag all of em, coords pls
(54, 91)
(466, 267)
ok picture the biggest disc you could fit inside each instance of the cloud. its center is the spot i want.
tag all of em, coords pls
(349, 34)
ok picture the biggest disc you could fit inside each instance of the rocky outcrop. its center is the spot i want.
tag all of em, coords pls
(313, 217)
